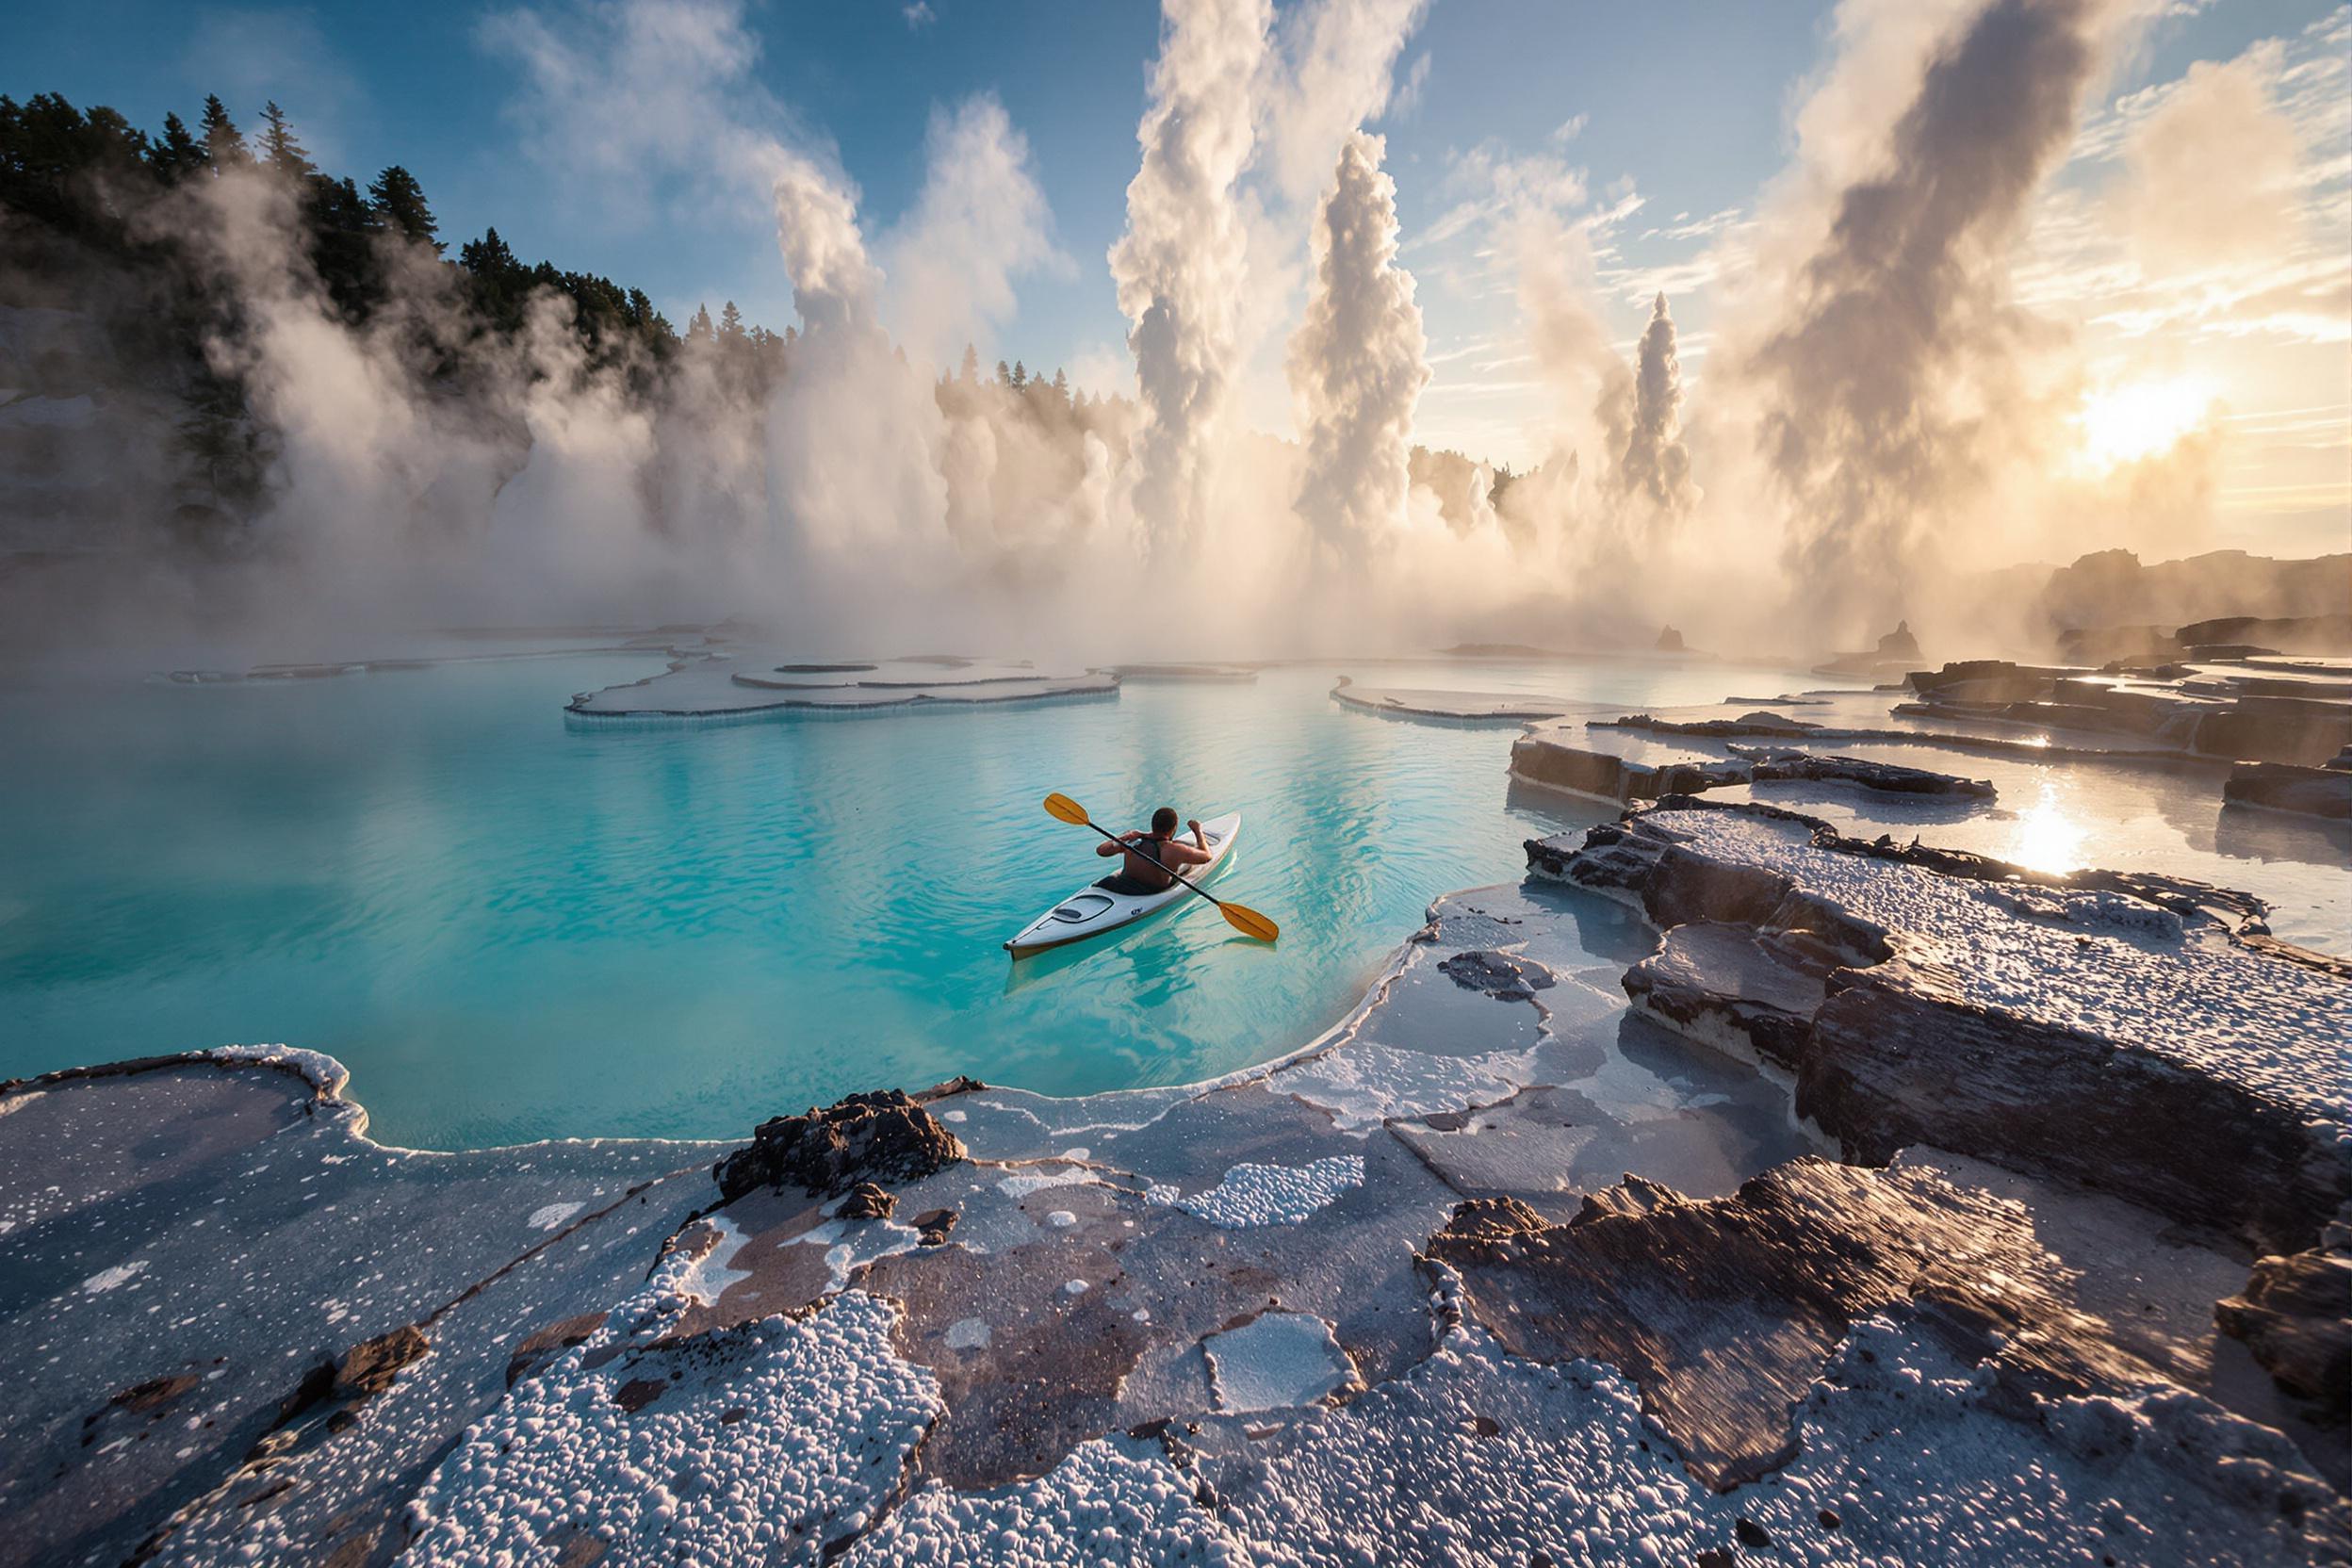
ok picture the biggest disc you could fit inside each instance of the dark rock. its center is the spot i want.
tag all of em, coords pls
(1491, 1218)
(636, 1393)
(1750, 1533)
(868, 1201)
(1987, 682)
(2296, 1316)
(1758, 723)
(2321, 791)
(154, 1393)
(1893, 1056)
(1893, 1064)
(2276, 729)
(545, 1344)
(1725, 1311)
(2326, 635)
(1898, 644)
(1634, 1195)
(1669, 641)
(935, 1224)
(369, 1367)
(1540, 759)
(1735, 985)
(883, 1136)
(1497, 974)
(1886, 777)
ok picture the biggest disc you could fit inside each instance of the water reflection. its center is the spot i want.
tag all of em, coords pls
(2047, 836)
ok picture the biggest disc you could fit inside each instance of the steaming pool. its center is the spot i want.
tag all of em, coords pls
(511, 929)
(508, 929)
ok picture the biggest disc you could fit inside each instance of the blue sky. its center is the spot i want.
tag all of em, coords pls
(1683, 107)
(419, 84)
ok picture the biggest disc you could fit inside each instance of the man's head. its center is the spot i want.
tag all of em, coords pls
(1163, 820)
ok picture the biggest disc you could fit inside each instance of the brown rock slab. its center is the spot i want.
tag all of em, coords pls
(1725, 1311)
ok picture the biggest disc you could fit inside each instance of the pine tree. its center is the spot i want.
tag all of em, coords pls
(1021, 376)
(225, 148)
(1061, 386)
(698, 330)
(972, 365)
(1004, 374)
(178, 154)
(400, 206)
(279, 149)
(730, 324)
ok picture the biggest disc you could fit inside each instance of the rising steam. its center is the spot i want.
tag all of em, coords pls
(1358, 363)
(1880, 384)
(1655, 465)
(1874, 397)
(1182, 265)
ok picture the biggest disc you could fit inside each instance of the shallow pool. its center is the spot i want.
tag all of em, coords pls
(509, 929)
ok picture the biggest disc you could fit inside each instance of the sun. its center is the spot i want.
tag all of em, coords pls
(2140, 419)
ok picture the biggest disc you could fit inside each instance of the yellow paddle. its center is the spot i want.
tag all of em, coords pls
(1246, 920)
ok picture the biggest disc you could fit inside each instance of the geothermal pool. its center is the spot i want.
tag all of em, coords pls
(511, 929)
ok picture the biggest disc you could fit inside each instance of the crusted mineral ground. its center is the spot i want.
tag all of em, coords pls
(748, 682)
(1393, 1297)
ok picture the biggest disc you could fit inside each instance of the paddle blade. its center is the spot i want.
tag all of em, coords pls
(1063, 809)
(1248, 922)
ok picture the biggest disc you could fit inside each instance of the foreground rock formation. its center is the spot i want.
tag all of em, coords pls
(1395, 1297)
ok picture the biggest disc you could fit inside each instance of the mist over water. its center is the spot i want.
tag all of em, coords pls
(1873, 426)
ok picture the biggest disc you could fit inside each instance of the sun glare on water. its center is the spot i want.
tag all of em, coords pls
(2048, 837)
(2141, 419)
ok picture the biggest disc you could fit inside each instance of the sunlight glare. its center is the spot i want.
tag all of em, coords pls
(2141, 419)
(2049, 839)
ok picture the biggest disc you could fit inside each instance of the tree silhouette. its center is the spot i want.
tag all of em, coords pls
(972, 365)
(730, 324)
(178, 154)
(400, 206)
(279, 149)
(225, 148)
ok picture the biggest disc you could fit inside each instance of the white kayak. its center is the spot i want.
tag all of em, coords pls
(1092, 910)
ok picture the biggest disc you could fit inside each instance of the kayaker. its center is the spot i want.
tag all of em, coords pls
(1146, 853)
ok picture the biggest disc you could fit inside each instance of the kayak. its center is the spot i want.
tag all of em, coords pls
(1092, 910)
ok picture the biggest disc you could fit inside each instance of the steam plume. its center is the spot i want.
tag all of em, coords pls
(1358, 363)
(1875, 382)
(1655, 463)
(1182, 265)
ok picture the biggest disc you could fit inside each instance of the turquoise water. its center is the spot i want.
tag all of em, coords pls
(509, 929)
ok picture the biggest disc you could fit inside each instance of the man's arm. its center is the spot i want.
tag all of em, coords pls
(1182, 853)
